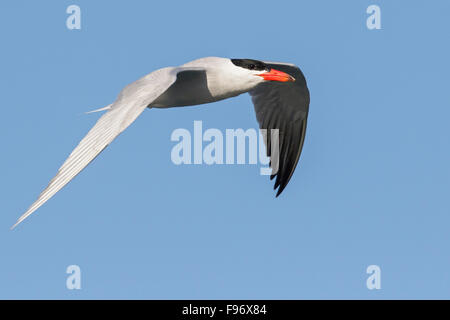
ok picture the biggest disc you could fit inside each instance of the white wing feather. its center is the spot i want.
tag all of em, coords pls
(130, 103)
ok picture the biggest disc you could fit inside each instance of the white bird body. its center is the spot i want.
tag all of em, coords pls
(223, 80)
(280, 101)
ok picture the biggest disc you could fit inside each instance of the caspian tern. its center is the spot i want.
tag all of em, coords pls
(278, 90)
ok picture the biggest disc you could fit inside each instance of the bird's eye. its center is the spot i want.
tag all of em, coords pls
(251, 66)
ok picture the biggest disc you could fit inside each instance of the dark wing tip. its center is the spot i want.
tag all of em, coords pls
(280, 190)
(289, 156)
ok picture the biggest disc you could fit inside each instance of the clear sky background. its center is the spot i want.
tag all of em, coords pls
(372, 185)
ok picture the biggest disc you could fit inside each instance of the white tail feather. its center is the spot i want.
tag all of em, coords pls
(101, 109)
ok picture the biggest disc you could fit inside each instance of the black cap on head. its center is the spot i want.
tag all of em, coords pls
(250, 64)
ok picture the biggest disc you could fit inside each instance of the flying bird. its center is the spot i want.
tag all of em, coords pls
(278, 91)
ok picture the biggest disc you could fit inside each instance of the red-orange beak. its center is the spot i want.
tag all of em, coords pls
(275, 75)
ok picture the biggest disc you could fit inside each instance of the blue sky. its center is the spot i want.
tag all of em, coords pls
(371, 187)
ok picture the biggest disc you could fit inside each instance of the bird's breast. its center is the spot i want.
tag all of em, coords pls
(195, 87)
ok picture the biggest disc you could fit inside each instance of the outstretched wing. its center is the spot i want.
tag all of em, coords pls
(283, 106)
(130, 103)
